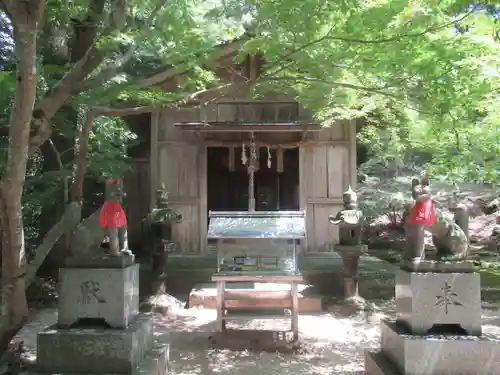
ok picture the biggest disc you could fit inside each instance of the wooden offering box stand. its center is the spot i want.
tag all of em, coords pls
(256, 247)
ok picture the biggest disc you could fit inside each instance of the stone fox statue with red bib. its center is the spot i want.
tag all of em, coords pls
(448, 234)
(113, 218)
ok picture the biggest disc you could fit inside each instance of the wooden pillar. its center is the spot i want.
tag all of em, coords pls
(252, 166)
(295, 310)
(303, 195)
(251, 188)
(221, 286)
(280, 163)
(202, 191)
(231, 163)
(153, 158)
(353, 168)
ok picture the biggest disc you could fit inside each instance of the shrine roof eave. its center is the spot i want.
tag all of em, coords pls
(239, 127)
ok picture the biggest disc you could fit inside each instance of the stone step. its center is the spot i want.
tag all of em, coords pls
(95, 350)
(252, 295)
(156, 362)
(377, 364)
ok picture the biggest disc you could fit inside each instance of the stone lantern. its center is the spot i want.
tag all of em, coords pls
(350, 221)
(157, 231)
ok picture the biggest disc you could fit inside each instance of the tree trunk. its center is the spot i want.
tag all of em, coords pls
(14, 303)
(65, 226)
(25, 17)
(57, 153)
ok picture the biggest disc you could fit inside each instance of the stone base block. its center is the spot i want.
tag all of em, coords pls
(99, 259)
(155, 362)
(376, 363)
(94, 351)
(438, 267)
(437, 355)
(424, 300)
(351, 250)
(111, 294)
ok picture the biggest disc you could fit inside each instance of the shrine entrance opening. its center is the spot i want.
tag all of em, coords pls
(276, 181)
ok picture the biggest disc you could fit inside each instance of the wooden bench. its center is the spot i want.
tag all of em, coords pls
(225, 313)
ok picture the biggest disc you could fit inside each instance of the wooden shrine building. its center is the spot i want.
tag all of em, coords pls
(196, 153)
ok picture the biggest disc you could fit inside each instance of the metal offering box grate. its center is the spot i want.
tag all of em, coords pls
(260, 241)
(258, 224)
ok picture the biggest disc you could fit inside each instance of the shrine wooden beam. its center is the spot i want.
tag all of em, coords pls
(272, 145)
(227, 127)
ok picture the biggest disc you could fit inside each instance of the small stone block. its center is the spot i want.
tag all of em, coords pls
(376, 363)
(111, 294)
(438, 267)
(94, 351)
(100, 260)
(155, 362)
(439, 354)
(427, 299)
(352, 250)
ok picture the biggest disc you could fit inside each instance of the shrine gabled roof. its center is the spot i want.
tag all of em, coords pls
(249, 126)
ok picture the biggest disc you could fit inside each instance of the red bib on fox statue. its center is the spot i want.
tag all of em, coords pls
(422, 212)
(112, 214)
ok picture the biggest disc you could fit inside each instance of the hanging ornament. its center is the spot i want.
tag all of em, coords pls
(268, 158)
(243, 155)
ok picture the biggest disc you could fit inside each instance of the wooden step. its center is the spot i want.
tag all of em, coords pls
(255, 298)
(246, 314)
(258, 303)
(252, 294)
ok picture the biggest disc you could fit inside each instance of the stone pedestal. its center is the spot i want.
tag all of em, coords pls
(110, 294)
(437, 330)
(427, 299)
(350, 260)
(118, 351)
(100, 330)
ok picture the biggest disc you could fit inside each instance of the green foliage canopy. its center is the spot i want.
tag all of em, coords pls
(424, 71)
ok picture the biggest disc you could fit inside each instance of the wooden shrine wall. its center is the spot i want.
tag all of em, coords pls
(137, 189)
(327, 168)
(180, 166)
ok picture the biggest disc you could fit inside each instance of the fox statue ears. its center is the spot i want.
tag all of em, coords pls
(424, 181)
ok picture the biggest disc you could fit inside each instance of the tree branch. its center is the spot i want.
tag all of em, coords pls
(62, 91)
(130, 111)
(87, 30)
(115, 68)
(61, 167)
(377, 90)
(455, 131)
(395, 38)
(76, 193)
(155, 79)
(67, 223)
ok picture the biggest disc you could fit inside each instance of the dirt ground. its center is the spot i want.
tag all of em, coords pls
(330, 342)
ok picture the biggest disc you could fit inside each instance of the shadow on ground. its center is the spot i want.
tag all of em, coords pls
(327, 345)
